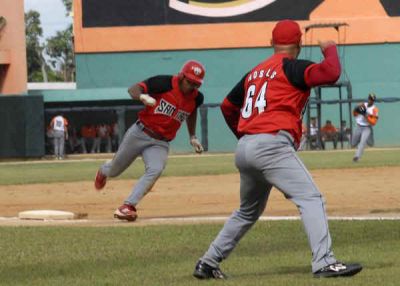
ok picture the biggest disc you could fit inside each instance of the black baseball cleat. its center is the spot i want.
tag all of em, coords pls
(338, 269)
(355, 159)
(205, 271)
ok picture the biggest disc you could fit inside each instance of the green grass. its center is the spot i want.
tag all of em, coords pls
(28, 173)
(272, 253)
(341, 159)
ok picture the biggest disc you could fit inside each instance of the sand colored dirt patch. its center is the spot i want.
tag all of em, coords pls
(348, 192)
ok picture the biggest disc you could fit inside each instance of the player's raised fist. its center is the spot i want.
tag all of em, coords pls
(326, 44)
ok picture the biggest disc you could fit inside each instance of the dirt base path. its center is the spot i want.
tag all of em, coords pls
(349, 192)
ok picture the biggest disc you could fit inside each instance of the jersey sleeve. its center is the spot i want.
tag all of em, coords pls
(199, 99)
(157, 84)
(373, 118)
(295, 71)
(236, 95)
(231, 105)
(326, 72)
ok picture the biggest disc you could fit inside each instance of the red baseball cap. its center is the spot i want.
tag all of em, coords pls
(194, 71)
(286, 32)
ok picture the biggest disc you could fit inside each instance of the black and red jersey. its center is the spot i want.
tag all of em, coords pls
(273, 96)
(172, 106)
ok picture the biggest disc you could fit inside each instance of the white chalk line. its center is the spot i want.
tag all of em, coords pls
(106, 156)
(267, 218)
(197, 219)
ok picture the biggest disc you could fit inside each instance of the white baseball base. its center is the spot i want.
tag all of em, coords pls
(46, 215)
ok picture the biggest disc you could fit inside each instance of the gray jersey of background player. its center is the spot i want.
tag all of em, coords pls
(169, 101)
(59, 127)
(366, 116)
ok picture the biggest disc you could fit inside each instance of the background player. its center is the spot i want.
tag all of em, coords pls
(329, 133)
(169, 101)
(59, 126)
(366, 115)
(265, 111)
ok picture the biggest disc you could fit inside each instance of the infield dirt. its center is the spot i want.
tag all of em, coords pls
(348, 192)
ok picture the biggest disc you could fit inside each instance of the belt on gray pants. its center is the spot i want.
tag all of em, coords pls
(150, 132)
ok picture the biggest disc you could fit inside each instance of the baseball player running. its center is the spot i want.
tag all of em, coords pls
(169, 101)
(265, 111)
(366, 115)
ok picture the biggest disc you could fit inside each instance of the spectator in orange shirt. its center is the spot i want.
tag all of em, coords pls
(329, 133)
(89, 135)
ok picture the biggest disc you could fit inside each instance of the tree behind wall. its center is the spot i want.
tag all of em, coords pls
(60, 64)
(60, 50)
(38, 69)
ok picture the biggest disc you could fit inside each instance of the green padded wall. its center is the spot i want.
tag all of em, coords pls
(369, 68)
(22, 125)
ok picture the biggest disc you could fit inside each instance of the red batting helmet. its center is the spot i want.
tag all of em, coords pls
(194, 71)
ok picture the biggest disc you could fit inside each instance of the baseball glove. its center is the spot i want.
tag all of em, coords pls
(360, 109)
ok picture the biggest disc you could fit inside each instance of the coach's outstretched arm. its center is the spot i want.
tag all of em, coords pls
(326, 72)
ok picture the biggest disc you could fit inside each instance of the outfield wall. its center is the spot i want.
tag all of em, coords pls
(369, 68)
(106, 76)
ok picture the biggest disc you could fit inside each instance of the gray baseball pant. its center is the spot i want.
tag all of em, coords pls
(58, 143)
(264, 161)
(154, 153)
(363, 136)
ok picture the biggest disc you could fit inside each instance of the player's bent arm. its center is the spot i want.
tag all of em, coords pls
(231, 105)
(372, 119)
(326, 72)
(135, 91)
(231, 115)
(191, 124)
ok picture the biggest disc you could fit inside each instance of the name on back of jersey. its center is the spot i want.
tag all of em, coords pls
(261, 73)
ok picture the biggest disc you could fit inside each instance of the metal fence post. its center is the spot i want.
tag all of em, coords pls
(204, 126)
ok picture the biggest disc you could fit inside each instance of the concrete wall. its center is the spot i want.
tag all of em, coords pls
(13, 71)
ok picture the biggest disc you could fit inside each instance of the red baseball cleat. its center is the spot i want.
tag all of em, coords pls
(100, 180)
(126, 212)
